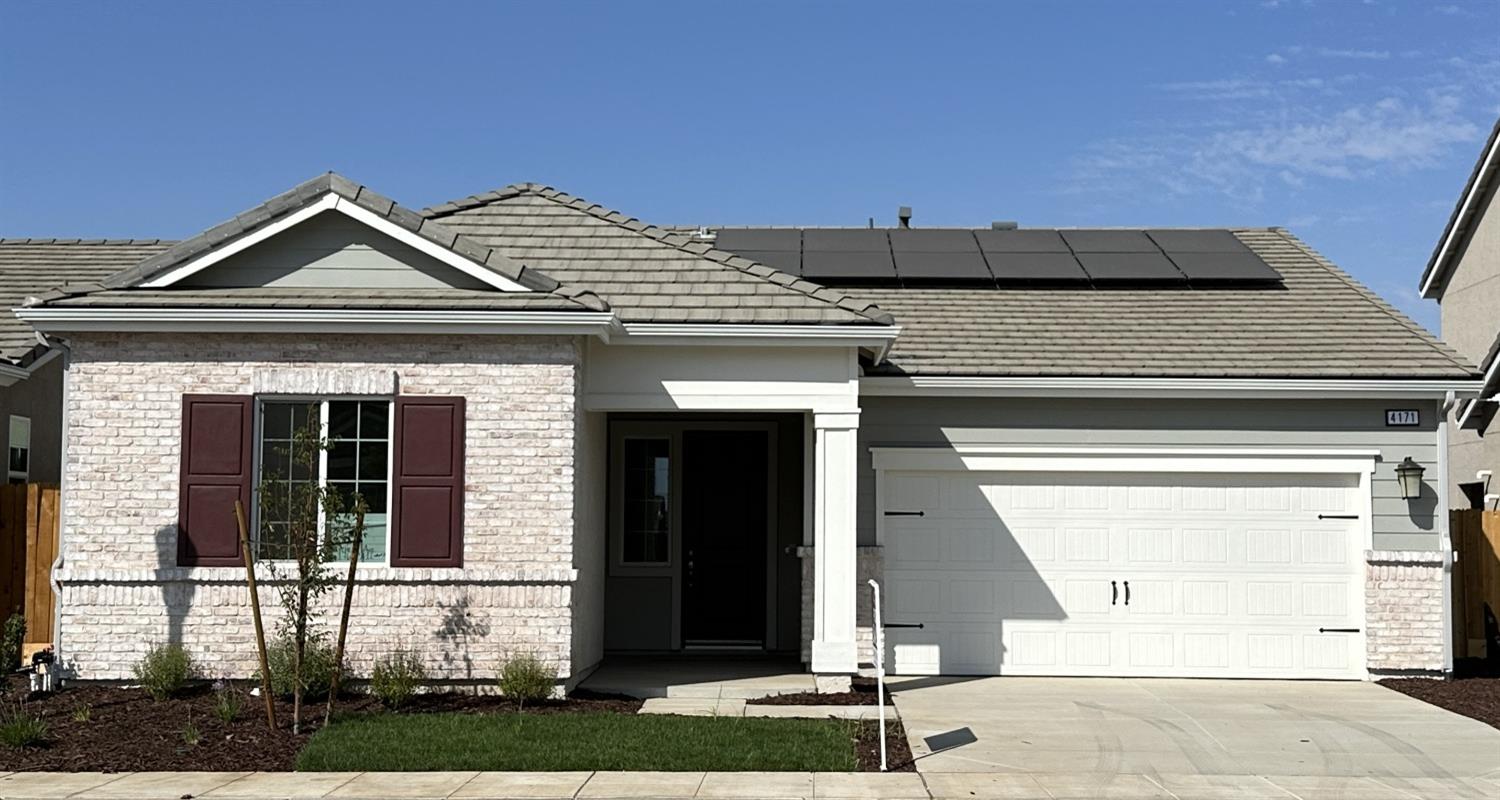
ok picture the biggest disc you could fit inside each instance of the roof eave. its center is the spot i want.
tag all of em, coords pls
(1435, 276)
(1167, 387)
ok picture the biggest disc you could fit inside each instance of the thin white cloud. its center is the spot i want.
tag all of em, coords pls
(1365, 55)
(1276, 58)
(1293, 148)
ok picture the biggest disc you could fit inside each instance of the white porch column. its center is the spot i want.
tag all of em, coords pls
(834, 477)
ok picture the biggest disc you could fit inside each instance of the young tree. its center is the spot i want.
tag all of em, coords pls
(304, 524)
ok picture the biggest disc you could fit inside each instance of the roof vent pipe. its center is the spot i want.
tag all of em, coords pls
(1004, 225)
(905, 216)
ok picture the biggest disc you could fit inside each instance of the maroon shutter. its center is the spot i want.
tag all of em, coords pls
(427, 492)
(216, 446)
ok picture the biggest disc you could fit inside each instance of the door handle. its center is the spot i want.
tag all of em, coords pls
(1127, 593)
(1114, 592)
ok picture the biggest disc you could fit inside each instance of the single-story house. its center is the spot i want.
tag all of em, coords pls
(1061, 452)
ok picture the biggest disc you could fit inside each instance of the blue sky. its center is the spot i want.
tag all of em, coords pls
(1353, 123)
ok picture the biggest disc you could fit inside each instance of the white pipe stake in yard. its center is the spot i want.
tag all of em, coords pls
(879, 662)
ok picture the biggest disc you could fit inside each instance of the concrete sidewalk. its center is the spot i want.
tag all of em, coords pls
(725, 786)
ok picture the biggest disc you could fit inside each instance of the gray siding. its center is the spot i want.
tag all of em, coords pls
(332, 251)
(930, 422)
(40, 398)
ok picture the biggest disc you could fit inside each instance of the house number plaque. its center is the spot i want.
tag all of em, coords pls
(1403, 418)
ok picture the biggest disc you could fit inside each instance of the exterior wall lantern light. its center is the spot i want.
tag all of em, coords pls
(1409, 473)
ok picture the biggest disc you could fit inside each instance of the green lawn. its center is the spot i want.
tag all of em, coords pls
(554, 742)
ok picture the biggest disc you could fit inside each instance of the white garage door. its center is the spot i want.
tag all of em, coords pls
(1203, 575)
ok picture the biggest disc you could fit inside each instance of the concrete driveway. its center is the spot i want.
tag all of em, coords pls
(1192, 738)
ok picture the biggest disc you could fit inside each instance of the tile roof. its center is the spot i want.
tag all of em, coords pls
(646, 273)
(308, 192)
(1320, 324)
(30, 267)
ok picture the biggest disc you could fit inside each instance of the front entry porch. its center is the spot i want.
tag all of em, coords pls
(700, 677)
(715, 505)
(705, 521)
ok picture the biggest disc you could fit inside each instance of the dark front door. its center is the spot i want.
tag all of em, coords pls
(724, 537)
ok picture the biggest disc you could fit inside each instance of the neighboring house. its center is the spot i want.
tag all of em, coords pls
(1463, 275)
(30, 372)
(1068, 452)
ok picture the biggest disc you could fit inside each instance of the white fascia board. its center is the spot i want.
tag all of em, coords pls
(1429, 286)
(10, 374)
(333, 320)
(955, 386)
(1126, 459)
(877, 336)
(332, 202)
(1469, 416)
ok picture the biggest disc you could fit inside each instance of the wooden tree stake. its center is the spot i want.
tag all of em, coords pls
(260, 633)
(338, 651)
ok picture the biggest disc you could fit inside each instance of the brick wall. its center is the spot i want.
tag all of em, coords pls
(1404, 611)
(122, 590)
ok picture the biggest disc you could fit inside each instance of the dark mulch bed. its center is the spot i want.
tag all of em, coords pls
(897, 753)
(861, 693)
(1473, 692)
(128, 731)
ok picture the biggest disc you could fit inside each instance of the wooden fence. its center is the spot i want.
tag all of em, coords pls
(28, 545)
(1476, 578)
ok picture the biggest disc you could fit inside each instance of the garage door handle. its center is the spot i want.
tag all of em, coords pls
(906, 513)
(1114, 592)
(1127, 593)
(1338, 516)
(1338, 630)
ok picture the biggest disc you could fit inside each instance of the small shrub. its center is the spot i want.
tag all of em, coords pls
(20, 729)
(396, 677)
(227, 701)
(190, 734)
(164, 671)
(526, 679)
(83, 712)
(317, 666)
(12, 636)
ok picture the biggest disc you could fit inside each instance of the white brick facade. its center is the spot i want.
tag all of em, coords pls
(122, 589)
(1404, 611)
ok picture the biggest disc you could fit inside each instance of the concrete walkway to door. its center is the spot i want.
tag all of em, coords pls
(1185, 737)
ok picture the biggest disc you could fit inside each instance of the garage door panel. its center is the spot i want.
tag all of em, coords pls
(1086, 597)
(1229, 575)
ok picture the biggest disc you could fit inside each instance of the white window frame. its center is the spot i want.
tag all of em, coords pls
(322, 402)
(12, 474)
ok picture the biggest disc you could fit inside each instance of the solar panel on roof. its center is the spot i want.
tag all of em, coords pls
(933, 241)
(1198, 241)
(966, 267)
(1036, 267)
(1109, 242)
(861, 240)
(785, 261)
(1130, 267)
(863, 266)
(1017, 241)
(1245, 267)
(760, 239)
